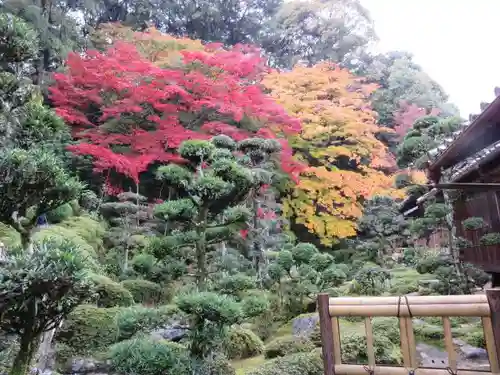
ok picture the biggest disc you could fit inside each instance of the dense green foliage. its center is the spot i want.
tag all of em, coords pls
(145, 203)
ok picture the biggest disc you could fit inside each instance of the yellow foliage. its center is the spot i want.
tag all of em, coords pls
(162, 49)
(338, 141)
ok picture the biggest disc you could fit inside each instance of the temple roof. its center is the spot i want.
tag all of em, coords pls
(471, 142)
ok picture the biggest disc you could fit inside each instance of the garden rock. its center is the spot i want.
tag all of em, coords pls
(175, 331)
(88, 366)
(304, 325)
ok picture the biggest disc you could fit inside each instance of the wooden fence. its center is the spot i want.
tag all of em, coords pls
(486, 307)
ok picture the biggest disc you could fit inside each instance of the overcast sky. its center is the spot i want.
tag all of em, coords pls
(449, 39)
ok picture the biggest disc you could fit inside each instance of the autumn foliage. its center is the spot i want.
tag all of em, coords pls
(338, 141)
(129, 112)
(407, 114)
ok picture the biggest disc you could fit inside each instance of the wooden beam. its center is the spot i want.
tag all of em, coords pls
(326, 329)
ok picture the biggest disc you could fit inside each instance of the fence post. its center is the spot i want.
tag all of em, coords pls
(493, 296)
(325, 325)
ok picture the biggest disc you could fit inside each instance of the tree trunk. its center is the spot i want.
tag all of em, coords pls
(452, 230)
(21, 363)
(44, 348)
(201, 267)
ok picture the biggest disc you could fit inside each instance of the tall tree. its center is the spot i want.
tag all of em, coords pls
(400, 79)
(339, 142)
(129, 113)
(317, 30)
(211, 189)
(25, 120)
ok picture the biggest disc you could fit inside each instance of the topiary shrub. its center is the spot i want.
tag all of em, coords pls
(386, 326)
(146, 356)
(89, 329)
(242, 343)
(144, 291)
(473, 223)
(110, 293)
(60, 234)
(490, 239)
(295, 364)
(288, 345)
(354, 349)
(9, 236)
(135, 319)
(476, 339)
(92, 231)
(215, 365)
(60, 213)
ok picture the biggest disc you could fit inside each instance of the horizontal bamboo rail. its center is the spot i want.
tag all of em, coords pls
(480, 310)
(388, 370)
(487, 307)
(412, 300)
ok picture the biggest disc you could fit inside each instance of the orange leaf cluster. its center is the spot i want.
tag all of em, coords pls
(159, 48)
(339, 143)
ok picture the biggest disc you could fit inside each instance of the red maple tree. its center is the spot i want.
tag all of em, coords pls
(128, 113)
(407, 114)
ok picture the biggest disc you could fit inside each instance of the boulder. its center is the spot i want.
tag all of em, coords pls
(304, 325)
(174, 331)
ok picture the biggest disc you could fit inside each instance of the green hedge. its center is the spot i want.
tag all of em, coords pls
(288, 345)
(59, 233)
(90, 329)
(146, 356)
(243, 343)
(60, 213)
(295, 364)
(110, 293)
(92, 231)
(144, 291)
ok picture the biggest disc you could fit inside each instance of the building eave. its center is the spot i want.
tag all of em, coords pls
(447, 154)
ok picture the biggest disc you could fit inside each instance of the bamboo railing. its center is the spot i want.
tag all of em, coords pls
(486, 307)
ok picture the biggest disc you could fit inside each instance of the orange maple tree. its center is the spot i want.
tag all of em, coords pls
(347, 163)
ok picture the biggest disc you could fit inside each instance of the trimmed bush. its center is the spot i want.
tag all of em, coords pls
(386, 326)
(242, 343)
(295, 364)
(146, 356)
(135, 319)
(89, 329)
(354, 349)
(60, 213)
(9, 236)
(476, 339)
(92, 231)
(111, 293)
(216, 365)
(144, 291)
(288, 345)
(59, 233)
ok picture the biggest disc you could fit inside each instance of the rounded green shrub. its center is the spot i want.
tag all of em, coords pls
(215, 365)
(135, 319)
(144, 291)
(60, 213)
(146, 356)
(386, 326)
(92, 231)
(288, 345)
(242, 343)
(9, 236)
(89, 329)
(476, 339)
(59, 233)
(110, 293)
(294, 364)
(354, 349)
